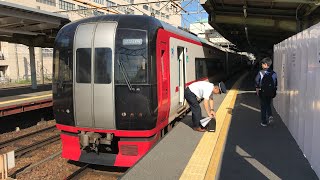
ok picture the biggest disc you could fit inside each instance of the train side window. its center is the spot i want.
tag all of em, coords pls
(83, 66)
(200, 69)
(103, 65)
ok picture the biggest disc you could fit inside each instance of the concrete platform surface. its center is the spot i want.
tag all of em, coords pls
(254, 152)
(13, 91)
(24, 98)
(169, 158)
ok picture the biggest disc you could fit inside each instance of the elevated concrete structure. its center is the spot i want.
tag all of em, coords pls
(256, 25)
(29, 26)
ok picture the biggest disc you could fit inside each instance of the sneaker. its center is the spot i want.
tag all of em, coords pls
(270, 120)
(263, 124)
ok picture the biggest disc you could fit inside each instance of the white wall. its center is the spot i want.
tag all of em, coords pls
(297, 62)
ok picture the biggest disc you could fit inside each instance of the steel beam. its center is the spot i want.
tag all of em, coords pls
(310, 10)
(38, 41)
(255, 11)
(38, 27)
(16, 31)
(24, 107)
(288, 25)
(299, 1)
(28, 16)
(8, 20)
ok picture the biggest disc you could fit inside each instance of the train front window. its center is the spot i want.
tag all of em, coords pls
(83, 66)
(62, 58)
(103, 65)
(131, 54)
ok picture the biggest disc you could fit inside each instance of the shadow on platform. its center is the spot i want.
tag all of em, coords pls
(256, 152)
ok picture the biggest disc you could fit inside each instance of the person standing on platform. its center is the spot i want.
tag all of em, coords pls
(205, 90)
(266, 89)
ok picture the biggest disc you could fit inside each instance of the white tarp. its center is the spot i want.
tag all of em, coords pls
(297, 63)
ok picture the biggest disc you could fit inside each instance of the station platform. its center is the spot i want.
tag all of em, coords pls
(22, 99)
(239, 149)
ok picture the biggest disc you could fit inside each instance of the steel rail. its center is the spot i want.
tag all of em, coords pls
(12, 141)
(77, 173)
(31, 166)
(23, 150)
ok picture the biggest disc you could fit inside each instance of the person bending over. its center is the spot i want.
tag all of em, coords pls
(205, 90)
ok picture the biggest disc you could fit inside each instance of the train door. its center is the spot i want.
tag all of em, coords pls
(93, 82)
(181, 71)
(165, 83)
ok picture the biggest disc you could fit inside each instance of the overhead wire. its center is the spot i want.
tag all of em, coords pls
(119, 5)
(107, 8)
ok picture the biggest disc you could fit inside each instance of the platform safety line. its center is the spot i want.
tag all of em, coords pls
(24, 99)
(206, 160)
(214, 167)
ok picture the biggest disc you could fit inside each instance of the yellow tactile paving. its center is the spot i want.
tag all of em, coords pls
(205, 161)
(215, 162)
(26, 99)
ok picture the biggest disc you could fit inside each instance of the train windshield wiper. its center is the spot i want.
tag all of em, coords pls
(125, 75)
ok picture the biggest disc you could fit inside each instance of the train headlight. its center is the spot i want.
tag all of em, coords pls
(124, 114)
(140, 115)
(132, 115)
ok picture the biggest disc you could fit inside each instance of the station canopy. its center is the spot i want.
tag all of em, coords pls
(256, 25)
(29, 26)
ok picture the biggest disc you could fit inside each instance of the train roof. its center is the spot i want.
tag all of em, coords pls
(178, 31)
(144, 22)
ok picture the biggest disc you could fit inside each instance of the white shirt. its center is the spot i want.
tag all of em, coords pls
(202, 89)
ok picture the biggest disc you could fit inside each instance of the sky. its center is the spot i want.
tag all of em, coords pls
(191, 6)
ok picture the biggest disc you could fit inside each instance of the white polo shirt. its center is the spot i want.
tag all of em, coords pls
(202, 89)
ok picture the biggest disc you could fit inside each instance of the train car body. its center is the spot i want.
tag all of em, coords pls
(119, 80)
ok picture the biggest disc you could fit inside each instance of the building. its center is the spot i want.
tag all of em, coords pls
(14, 58)
(204, 30)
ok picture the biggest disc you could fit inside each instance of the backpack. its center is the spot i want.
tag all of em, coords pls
(268, 88)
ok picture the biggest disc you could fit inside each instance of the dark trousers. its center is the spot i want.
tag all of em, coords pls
(194, 106)
(265, 103)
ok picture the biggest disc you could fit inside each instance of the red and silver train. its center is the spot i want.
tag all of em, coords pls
(119, 81)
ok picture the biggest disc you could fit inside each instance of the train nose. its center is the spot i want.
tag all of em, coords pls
(93, 84)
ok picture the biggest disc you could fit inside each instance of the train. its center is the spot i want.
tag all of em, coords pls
(119, 81)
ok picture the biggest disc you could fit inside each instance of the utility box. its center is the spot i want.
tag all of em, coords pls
(7, 162)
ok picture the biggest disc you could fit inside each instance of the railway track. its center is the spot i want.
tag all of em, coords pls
(14, 140)
(89, 170)
(23, 150)
(78, 173)
(31, 166)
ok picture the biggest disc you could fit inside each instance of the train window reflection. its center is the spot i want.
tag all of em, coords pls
(61, 65)
(103, 64)
(207, 67)
(83, 66)
(132, 56)
(62, 59)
